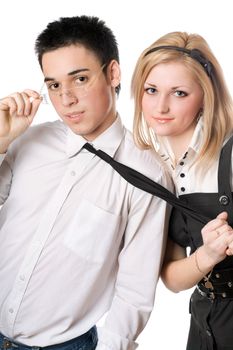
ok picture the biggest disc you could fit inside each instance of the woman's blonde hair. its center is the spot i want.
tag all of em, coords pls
(217, 102)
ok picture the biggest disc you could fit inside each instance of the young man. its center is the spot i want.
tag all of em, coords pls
(77, 240)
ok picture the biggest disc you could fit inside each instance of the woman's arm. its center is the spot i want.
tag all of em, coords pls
(180, 272)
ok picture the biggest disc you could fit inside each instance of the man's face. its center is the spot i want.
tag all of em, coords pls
(81, 94)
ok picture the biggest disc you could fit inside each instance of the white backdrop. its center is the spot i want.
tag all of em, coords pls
(136, 25)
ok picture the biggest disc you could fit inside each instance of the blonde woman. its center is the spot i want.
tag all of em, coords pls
(184, 111)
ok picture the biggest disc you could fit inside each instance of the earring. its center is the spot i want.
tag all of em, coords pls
(200, 114)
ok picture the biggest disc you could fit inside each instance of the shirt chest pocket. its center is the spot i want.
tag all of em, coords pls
(93, 232)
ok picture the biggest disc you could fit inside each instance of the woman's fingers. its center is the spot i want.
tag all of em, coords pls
(215, 224)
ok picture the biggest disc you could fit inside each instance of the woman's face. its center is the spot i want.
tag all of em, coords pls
(172, 100)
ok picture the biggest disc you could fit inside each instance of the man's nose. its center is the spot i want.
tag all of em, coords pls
(68, 96)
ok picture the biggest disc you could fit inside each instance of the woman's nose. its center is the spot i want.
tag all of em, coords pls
(162, 104)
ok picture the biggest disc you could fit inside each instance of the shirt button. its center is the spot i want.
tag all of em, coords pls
(182, 175)
(22, 278)
(72, 173)
(7, 344)
(208, 332)
(182, 189)
(11, 310)
(181, 163)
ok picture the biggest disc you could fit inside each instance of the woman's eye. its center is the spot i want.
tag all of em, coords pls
(180, 93)
(150, 90)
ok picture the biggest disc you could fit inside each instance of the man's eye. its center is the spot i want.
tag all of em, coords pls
(80, 80)
(53, 86)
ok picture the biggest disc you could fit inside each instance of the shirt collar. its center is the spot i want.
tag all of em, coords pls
(108, 141)
(196, 141)
(165, 150)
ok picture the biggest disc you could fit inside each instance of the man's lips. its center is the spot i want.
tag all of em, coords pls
(74, 115)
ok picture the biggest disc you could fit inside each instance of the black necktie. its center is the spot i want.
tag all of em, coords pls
(144, 183)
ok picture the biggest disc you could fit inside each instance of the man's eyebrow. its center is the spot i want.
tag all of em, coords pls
(73, 72)
(78, 71)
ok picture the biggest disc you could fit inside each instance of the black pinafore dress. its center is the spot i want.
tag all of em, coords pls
(211, 325)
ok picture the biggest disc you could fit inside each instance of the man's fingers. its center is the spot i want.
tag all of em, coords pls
(31, 93)
(34, 107)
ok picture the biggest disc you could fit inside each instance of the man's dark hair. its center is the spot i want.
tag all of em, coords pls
(91, 32)
(88, 31)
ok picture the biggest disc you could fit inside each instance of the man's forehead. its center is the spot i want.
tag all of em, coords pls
(68, 59)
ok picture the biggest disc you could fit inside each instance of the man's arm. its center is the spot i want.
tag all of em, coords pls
(17, 112)
(139, 268)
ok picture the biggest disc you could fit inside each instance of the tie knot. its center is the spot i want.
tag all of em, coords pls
(90, 148)
(99, 153)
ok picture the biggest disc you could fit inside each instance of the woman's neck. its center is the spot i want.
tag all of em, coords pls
(179, 144)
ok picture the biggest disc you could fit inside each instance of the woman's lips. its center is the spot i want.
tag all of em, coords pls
(163, 120)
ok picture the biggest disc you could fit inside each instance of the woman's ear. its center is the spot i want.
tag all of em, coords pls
(114, 73)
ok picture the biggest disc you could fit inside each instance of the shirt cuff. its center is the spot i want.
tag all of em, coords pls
(108, 340)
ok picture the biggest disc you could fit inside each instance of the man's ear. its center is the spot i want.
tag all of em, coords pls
(114, 72)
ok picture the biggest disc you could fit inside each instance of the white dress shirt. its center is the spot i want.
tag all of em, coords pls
(77, 240)
(189, 178)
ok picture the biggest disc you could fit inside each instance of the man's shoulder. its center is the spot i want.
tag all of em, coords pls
(43, 133)
(146, 161)
(48, 127)
(133, 153)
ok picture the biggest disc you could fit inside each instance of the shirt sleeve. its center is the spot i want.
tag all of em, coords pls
(139, 267)
(5, 177)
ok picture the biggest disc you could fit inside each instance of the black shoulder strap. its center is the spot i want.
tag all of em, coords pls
(224, 178)
(144, 183)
